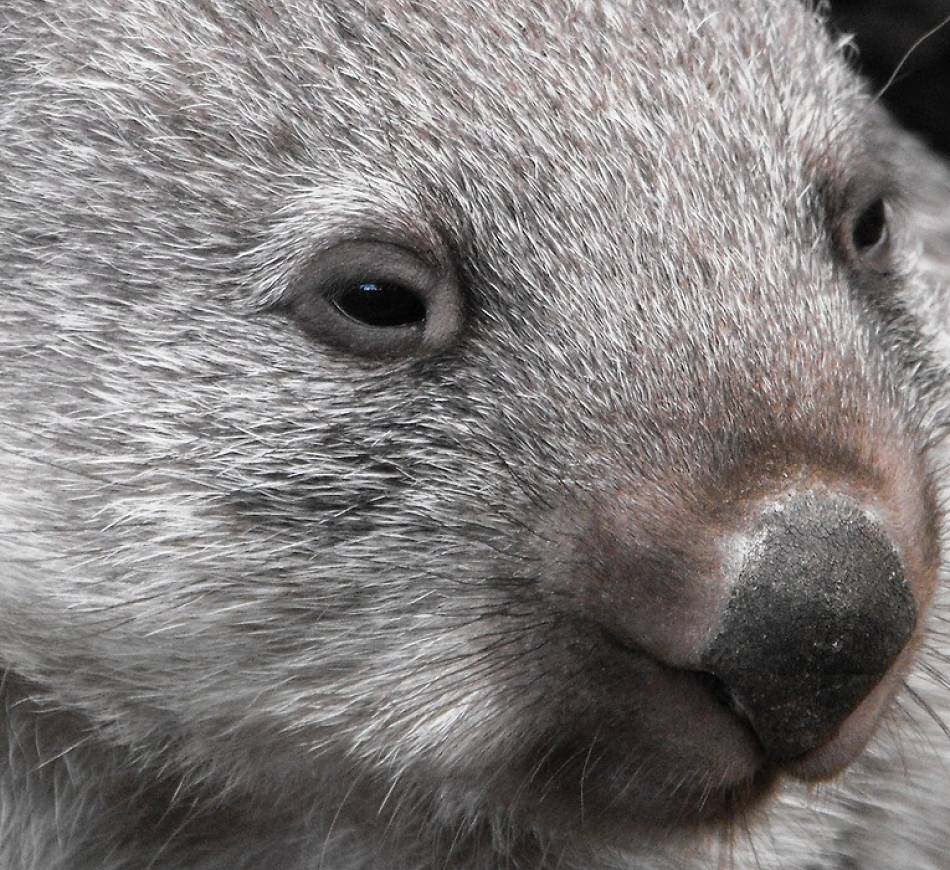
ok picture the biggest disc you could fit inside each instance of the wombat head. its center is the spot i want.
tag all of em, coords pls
(498, 412)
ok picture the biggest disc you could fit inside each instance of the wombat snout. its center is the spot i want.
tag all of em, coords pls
(783, 608)
(817, 613)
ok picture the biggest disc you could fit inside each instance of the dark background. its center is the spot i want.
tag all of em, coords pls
(885, 31)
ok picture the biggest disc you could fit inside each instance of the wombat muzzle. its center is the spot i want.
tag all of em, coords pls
(819, 611)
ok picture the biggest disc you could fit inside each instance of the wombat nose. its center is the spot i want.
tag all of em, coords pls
(818, 612)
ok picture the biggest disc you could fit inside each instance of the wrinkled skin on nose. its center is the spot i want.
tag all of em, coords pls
(819, 610)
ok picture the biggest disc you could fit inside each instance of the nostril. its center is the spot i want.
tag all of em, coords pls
(818, 612)
(716, 688)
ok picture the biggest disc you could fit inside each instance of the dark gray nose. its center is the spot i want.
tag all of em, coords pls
(817, 614)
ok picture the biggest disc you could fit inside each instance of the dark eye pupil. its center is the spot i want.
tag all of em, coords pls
(870, 229)
(378, 303)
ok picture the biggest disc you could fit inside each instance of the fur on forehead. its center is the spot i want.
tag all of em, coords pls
(432, 84)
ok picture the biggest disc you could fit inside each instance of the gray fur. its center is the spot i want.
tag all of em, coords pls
(266, 604)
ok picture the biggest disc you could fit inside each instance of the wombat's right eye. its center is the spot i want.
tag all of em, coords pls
(378, 299)
(381, 304)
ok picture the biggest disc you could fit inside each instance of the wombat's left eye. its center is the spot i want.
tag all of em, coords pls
(870, 235)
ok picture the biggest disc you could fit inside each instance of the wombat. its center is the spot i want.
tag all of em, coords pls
(462, 435)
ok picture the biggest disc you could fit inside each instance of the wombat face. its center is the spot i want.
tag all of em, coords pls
(493, 411)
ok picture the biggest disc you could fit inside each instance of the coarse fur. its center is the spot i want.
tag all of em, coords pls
(268, 603)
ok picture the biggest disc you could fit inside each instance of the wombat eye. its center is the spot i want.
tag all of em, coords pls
(381, 304)
(870, 235)
(378, 299)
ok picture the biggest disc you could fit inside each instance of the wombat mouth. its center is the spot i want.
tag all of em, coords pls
(609, 794)
(688, 761)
